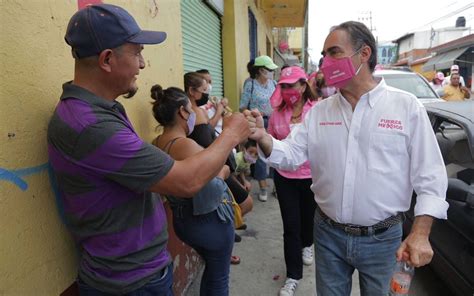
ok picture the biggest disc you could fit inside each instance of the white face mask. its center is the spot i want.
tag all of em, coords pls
(269, 75)
(209, 88)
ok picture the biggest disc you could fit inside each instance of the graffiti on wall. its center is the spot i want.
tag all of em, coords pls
(17, 177)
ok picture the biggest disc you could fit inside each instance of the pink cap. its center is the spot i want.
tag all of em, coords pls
(291, 75)
(275, 99)
(440, 76)
(455, 68)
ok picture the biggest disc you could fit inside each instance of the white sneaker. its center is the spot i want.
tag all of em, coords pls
(308, 255)
(262, 196)
(289, 288)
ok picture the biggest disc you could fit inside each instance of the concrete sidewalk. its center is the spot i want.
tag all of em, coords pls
(262, 269)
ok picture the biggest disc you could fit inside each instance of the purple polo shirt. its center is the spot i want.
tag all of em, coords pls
(104, 171)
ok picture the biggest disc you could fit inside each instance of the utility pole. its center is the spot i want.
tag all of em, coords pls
(305, 40)
(366, 18)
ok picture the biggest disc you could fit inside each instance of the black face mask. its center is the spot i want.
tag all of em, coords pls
(203, 100)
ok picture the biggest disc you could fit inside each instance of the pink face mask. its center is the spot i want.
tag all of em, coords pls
(249, 158)
(290, 96)
(338, 72)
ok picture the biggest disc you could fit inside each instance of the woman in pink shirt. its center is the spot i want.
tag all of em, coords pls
(291, 101)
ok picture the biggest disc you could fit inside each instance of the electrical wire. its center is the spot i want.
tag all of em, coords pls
(441, 18)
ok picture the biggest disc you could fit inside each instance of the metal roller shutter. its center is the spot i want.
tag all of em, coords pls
(202, 46)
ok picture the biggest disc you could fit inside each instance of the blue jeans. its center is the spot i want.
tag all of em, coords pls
(337, 254)
(213, 240)
(160, 285)
(260, 171)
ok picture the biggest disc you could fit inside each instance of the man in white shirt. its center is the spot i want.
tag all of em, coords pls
(369, 146)
(447, 79)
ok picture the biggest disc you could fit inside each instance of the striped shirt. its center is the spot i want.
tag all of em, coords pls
(104, 171)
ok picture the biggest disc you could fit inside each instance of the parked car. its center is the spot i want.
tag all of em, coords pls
(453, 239)
(411, 82)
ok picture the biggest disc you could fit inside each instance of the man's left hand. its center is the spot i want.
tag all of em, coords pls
(416, 248)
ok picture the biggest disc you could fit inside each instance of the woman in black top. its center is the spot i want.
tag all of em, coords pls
(204, 221)
(196, 88)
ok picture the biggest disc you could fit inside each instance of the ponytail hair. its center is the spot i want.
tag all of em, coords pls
(167, 103)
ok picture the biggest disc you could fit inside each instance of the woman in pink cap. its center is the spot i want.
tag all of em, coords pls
(291, 101)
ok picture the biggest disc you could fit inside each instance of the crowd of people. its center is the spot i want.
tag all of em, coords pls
(342, 179)
(452, 87)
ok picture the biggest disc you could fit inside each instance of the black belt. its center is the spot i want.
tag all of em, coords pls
(363, 230)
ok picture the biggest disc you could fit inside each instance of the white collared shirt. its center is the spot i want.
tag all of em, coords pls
(366, 163)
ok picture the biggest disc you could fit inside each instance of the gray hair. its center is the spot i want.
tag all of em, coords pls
(360, 35)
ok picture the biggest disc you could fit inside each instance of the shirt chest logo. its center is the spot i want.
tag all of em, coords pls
(330, 123)
(391, 124)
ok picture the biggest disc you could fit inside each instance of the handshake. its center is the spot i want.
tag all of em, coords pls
(255, 122)
(251, 121)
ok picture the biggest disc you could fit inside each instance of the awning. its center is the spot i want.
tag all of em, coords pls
(444, 60)
(284, 13)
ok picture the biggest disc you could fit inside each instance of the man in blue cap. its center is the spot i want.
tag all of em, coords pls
(106, 173)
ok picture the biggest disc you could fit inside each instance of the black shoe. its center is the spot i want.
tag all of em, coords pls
(243, 227)
(237, 238)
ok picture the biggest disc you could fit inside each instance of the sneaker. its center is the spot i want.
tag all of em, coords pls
(308, 255)
(262, 196)
(289, 288)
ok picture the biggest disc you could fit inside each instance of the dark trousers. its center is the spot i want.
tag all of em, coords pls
(297, 208)
(213, 240)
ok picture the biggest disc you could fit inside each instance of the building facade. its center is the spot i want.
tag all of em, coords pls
(386, 53)
(416, 45)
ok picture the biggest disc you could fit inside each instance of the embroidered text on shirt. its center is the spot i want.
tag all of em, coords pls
(390, 124)
(331, 123)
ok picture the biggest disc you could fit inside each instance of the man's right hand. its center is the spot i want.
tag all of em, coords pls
(258, 132)
(237, 126)
(255, 121)
(466, 92)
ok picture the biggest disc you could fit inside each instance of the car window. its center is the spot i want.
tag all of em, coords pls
(411, 83)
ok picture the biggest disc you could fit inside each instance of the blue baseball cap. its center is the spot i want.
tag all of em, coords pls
(98, 27)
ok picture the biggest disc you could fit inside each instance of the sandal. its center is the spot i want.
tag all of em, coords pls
(234, 259)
